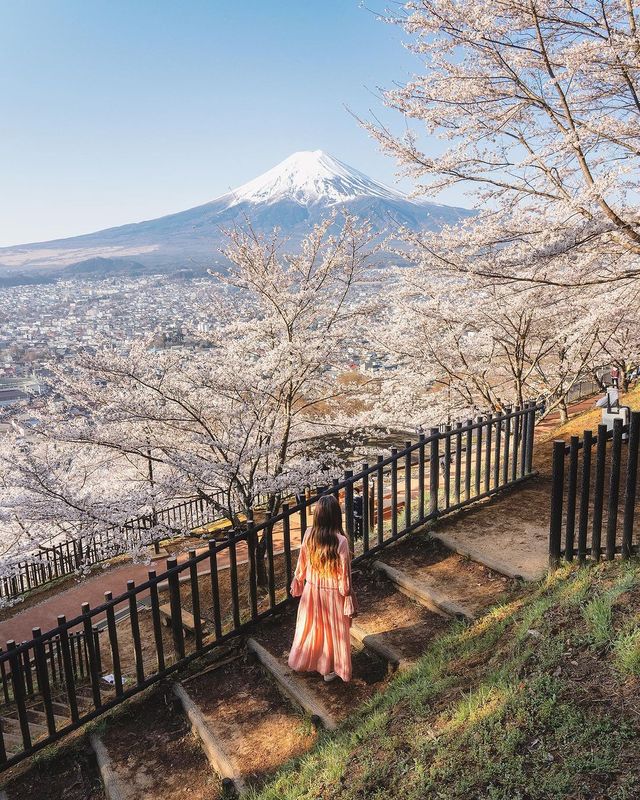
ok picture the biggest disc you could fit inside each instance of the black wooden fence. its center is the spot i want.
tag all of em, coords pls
(220, 588)
(51, 661)
(594, 492)
(69, 556)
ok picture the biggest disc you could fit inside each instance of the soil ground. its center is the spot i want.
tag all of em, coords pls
(155, 754)
(506, 531)
(73, 775)
(258, 727)
(393, 618)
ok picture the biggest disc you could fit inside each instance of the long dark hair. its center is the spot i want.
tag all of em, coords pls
(323, 540)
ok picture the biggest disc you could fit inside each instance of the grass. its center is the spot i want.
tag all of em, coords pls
(535, 700)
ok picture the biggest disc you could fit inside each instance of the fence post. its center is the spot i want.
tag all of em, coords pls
(252, 554)
(348, 506)
(598, 493)
(497, 451)
(525, 438)
(215, 589)
(407, 487)
(487, 455)
(468, 459)
(530, 437)
(380, 500)
(394, 492)
(94, 673)
(434, 471)
(630, 490)
(286, 546)
(421, 462)
(557, 491)
(42, 673)
(19, 694)
(113, 643)
(572, 489)
(614, 489)
(195, 597)
(67, 668)
(366, 518)
(176, 609)
(585, 490)
(478, 454)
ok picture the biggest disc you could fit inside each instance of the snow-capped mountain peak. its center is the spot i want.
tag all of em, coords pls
(309, 177)
(295, 195)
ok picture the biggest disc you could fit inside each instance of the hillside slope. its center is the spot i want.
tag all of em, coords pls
(538, 699)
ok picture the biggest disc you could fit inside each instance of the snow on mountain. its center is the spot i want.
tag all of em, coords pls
(312, 177)
(294, 195)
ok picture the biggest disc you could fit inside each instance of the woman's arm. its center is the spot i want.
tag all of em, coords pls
(345, 586)
(297, 584)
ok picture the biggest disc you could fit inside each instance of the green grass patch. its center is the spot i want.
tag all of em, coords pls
(626, 651)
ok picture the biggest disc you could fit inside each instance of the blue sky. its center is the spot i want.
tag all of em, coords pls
(113, 112)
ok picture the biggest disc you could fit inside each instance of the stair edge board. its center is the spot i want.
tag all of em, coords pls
(291, 687)
(423, 593)
(373, 642)
(110, 781)
(213, 747)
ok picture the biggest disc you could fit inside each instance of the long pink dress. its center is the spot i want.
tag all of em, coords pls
(322, 641)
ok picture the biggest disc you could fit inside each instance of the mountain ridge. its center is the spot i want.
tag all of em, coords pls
(294, 195)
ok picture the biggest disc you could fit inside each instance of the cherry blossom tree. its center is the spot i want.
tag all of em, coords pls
(538, 106)
(244, 415)
(462, 349)
(620, 335)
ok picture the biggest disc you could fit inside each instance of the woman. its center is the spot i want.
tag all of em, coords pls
(322, 641)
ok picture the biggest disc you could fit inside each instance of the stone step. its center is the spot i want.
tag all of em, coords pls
(153, 753)
(12, 723)
(61, 713)
(441, 579)
(293, 687)
(331, 702)
(113, 788)
(423, 592)
(12, 742)
(243, 713)
(391, 624)
(217, 755)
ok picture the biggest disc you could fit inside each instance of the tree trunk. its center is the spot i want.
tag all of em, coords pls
(564, 412)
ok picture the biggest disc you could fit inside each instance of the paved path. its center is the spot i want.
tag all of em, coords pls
(69, 602)
(550, 422)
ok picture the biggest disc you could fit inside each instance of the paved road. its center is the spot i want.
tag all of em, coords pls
(89, 590)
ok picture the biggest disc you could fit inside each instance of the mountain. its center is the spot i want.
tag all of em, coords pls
(294, 195)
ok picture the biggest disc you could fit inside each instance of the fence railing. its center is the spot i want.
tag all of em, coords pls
(583, 389)
(69, 556)
(47, 658)
(594, 494)
(235, 582)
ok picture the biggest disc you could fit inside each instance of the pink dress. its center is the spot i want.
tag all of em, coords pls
(322, 642)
